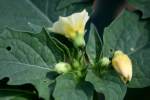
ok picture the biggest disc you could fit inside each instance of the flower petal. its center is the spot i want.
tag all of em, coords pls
(72, 27)
(123, 65)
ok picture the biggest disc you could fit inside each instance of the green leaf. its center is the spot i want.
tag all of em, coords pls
(94, 45)
(55, 8)
(109, 84)
(132, 36)
(142, 5)
(27, 58)
(64, 48)
(68, 88)
(19, 13)
(64, 3)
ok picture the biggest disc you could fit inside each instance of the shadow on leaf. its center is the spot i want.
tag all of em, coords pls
(25, 90)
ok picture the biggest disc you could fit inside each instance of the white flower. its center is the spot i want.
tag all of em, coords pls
(123, 65)
(72, 27)
(62, 67)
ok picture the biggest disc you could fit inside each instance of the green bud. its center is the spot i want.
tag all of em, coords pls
(76, 64)
(62, 67)
(79, 40)
(104, 62)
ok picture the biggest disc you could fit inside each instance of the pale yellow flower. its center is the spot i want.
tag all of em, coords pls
(62, 67)
(72, 27)
(123, 65)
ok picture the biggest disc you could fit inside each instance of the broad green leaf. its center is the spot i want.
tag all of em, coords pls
(132, 36)
(142, 5)
(109, 84)
(18, 13)
(94, 45)
(55, 8)
(68, 88)
(64, 3)
(26, 58)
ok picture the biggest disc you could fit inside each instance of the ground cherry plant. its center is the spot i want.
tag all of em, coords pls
(53, 50)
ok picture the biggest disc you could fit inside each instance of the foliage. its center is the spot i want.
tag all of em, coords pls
(28, 52)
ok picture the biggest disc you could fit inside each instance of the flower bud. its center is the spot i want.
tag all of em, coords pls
(72, 27)
(76, 64)
(123, 65)
(104, 61)
(79, 41)
(62, 67)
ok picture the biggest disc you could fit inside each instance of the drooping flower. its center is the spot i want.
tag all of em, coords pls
(123, 65)
(62, 67)
(72, 27)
